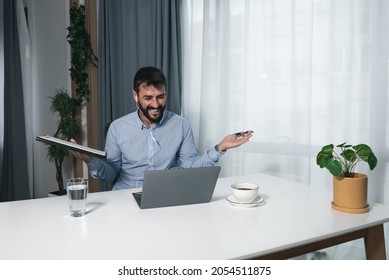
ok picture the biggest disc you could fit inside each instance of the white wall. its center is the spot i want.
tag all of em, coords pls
(48, 21)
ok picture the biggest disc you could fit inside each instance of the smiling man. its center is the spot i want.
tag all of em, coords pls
(152, 138)
(149, 94)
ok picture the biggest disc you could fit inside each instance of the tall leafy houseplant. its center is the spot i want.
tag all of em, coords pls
(62, 103)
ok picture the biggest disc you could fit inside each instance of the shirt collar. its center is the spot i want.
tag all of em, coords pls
(154, 126)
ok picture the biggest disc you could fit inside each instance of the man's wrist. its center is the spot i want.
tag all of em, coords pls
(219, 150)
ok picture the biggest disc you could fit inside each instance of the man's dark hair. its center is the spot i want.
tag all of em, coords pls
(151, 76)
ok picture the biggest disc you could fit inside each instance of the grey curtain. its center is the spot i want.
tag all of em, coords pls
(14, 175)
(133, 34)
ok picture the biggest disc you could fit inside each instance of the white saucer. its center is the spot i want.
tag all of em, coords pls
(231, 199)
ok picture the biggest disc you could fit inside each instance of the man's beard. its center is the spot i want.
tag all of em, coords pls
(150, 118)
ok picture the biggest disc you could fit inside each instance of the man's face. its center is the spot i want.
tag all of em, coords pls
(151, 103)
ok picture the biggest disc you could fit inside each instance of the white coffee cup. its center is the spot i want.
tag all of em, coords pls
(245, 192)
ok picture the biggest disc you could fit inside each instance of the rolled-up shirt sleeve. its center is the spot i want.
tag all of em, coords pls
(101, 170)
(108, 169)
(189, 155)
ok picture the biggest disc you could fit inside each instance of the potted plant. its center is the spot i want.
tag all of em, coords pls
(349, 187)
(62, 103)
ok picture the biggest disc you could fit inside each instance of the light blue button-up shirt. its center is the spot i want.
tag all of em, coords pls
(132, 148)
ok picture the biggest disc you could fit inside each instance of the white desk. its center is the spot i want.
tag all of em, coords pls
(294, 219)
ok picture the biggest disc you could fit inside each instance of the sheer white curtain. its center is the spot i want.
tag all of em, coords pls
(300, 73)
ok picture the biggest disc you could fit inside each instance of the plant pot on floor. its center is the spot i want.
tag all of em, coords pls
(55, 193)
(350, 194)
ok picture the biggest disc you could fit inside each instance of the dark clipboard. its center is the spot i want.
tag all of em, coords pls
(50, 140)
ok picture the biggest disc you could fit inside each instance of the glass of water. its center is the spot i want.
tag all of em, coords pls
(77, 190)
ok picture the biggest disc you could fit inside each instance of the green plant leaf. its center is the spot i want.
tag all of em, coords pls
(334, 167)
(363, 151)
(349, 155)
(69, 128)
(343, 145)
(372, 161)
(321, 160)
(319, 157)
(328, 149)
(323, 156)
(62, 103)
(56, 153)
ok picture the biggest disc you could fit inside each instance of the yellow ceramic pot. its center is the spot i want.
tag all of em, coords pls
(350, 194)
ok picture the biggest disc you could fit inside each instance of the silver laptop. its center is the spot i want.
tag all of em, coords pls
(174, 187)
